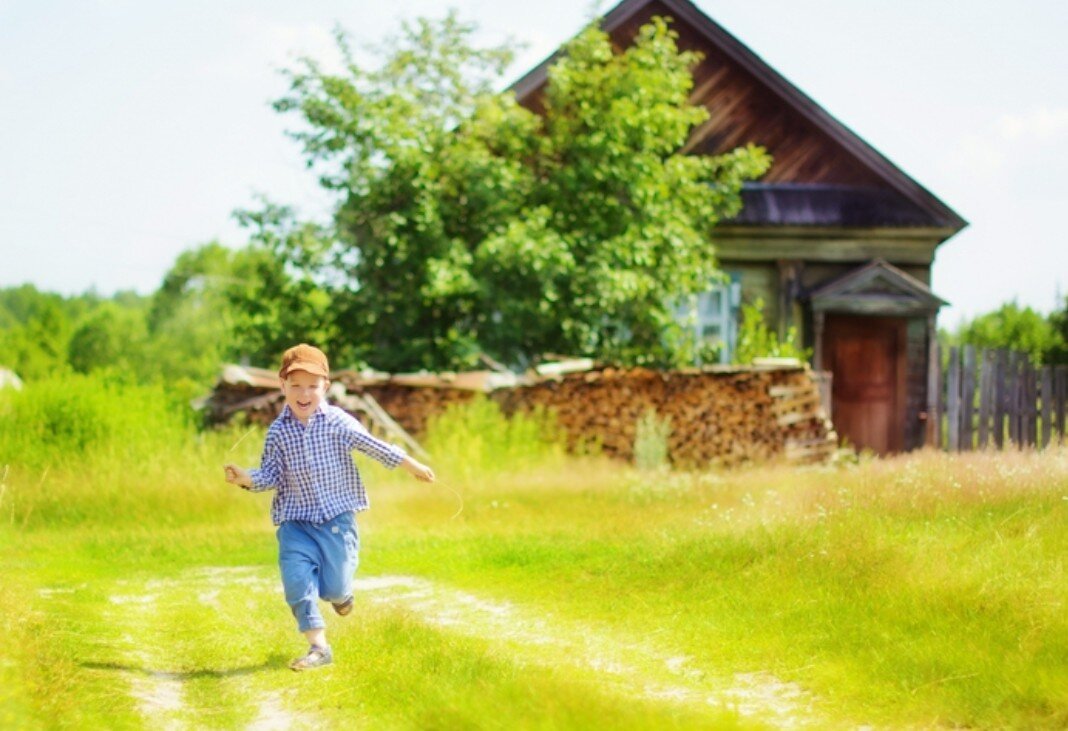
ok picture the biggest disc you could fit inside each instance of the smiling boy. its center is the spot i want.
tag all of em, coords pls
(307, 460)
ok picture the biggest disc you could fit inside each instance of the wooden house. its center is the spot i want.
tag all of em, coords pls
(835, 239)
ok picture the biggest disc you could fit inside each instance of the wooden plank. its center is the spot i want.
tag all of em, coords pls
(967, 395)
(1046, 394)
(1011, 418)
(988, 360)
(1060, 376)
(1021, 400)
(1030, 404)
(953, 400)
(997, 429)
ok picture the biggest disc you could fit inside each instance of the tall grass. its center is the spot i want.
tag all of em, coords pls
(474, 439)
(96, 449)
(651, 441)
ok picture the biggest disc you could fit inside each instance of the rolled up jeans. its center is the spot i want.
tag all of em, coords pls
(317, 561)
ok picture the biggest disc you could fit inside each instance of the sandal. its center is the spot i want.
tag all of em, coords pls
(344, 607)
(315, 658)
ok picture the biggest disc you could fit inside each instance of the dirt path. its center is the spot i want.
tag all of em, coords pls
(159, 695)
(632, 668)
(636, 669)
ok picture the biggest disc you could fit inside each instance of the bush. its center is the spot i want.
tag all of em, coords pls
(651, 441)
(77, 418)
(755, 340)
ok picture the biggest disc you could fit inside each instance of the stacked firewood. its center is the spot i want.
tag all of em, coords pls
(413, 406)
(715, 416)
(722, 416)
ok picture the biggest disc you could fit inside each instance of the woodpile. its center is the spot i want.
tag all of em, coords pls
(718, 415)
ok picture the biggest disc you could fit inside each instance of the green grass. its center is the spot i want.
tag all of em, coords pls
(926, 590)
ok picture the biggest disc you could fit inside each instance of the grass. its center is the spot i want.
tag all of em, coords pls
(925, 590)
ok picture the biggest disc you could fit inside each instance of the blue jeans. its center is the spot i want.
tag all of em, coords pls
(317, 560)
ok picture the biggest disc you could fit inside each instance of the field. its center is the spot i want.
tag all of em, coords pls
(140, 590)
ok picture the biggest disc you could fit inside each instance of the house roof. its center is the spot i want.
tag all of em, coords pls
(900, 200)
(826, 204)
(878, 287)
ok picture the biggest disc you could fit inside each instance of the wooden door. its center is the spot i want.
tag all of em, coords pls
(867, 357)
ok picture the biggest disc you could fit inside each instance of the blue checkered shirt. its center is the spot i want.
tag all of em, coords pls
(311, 467)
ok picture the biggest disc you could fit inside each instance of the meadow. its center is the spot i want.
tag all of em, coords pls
(564, 592)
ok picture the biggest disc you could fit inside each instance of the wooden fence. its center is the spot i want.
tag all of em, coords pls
(997, 399)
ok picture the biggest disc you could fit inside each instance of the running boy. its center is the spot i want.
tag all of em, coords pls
(318, 490)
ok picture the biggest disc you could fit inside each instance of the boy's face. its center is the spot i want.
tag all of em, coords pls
(304, 392)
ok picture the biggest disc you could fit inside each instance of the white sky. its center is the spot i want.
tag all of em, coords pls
(129, 130)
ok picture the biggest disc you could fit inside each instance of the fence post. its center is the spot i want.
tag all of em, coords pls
(1060, 377)
(1046, 395)
(1031, 403)
(1001, 387)
(953, 400)
(967, 395)
(1012, 399)
(986, 395)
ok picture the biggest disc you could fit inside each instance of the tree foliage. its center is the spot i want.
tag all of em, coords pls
(1015, 328)
(466, 223)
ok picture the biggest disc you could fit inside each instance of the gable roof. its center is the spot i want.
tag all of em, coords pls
(862, 168)
(878, 287)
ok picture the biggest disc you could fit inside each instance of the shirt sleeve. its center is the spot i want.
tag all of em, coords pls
(269, 474)
(357, 437)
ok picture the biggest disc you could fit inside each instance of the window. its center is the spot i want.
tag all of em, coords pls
(714, 316)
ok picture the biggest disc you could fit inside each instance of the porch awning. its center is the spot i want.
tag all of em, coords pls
(877, 288)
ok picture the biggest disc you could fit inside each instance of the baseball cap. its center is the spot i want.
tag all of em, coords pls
(306, 358)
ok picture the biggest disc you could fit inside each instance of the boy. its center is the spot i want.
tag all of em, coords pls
(318, 490)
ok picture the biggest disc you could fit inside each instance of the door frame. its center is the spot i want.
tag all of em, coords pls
(836, 323)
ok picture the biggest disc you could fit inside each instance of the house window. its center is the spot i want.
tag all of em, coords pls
(713, 315)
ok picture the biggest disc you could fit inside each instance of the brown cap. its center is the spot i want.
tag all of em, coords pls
(306, 358)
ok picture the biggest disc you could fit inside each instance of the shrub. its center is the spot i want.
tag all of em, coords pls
(651, 441)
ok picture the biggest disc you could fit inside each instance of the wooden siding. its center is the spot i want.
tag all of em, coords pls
(743, 110)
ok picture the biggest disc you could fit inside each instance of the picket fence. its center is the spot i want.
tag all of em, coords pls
(999, 399)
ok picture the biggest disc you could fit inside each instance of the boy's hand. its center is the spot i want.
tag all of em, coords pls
(237, 476)
(419, 470)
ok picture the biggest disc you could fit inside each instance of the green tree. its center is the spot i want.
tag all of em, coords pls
(467, 223)
(1010, 326)
(190, 319)
(110, 337)
(35, 345)
(1057, 350)
(281, 289)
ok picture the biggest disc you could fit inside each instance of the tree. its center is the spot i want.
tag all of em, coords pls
(110, 337)
(467, 223)
(1013, 327)
(1057, 351)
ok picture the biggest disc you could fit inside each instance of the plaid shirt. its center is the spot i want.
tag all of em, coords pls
(311, 466)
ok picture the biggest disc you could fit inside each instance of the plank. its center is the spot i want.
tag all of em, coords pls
(988, 361)
(953, 399)
(1046, 394)
(1001, 376)
(967, 395)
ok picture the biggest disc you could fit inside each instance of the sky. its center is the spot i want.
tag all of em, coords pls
(131, 130)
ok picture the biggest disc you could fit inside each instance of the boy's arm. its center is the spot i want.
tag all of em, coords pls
(358, 438)
(269, 473)
(419, 470)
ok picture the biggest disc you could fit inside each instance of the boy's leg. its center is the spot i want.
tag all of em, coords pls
(298, 560)
(340, 546)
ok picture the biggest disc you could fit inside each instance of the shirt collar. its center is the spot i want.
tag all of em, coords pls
(287, 413)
